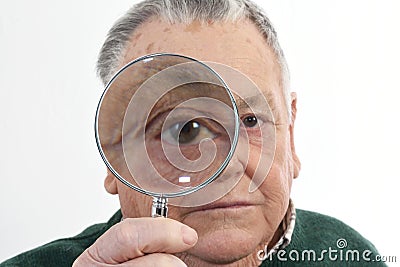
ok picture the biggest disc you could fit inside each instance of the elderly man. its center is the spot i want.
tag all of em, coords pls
(260, 228)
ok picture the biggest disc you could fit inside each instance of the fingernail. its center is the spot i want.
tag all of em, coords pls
(189, 235)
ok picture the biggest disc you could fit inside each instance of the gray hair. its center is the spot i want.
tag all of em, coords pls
(187, 11)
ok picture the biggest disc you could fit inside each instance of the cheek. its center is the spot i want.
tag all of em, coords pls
(199, 161)
(259, 162)
(276, 192)
(133, 204)
(275, 172)
(276, 187)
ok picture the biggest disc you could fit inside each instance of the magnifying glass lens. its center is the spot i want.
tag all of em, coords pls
(167, 125)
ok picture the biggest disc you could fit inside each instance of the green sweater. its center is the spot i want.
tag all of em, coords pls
(313, 234)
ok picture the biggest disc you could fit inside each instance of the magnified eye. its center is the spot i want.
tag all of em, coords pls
(250, 121)
(192, 132)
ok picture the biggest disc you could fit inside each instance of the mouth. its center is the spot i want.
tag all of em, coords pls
(224, 206)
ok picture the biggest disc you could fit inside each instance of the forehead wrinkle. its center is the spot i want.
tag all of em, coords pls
(259, 76)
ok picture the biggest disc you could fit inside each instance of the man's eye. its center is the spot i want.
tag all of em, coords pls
(192, 132)
(250, 121)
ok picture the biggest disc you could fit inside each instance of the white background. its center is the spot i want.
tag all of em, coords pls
(344, 59)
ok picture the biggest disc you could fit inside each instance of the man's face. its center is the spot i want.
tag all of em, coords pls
(230, 231)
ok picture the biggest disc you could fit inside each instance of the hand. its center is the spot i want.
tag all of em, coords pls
(140, 242)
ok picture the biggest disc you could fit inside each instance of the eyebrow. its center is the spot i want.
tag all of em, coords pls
(256, 101)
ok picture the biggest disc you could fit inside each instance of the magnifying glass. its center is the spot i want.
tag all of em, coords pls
(166, 126)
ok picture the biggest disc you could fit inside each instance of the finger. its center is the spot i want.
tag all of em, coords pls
(155, 260)
(136, 237)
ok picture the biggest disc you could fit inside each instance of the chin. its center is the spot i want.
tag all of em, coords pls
(225, 246)
(225, 238)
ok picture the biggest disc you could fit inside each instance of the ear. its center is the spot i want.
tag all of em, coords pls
(296, 161)
(110, 183)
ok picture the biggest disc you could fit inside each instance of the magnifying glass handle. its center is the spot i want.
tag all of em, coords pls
(159, 207)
